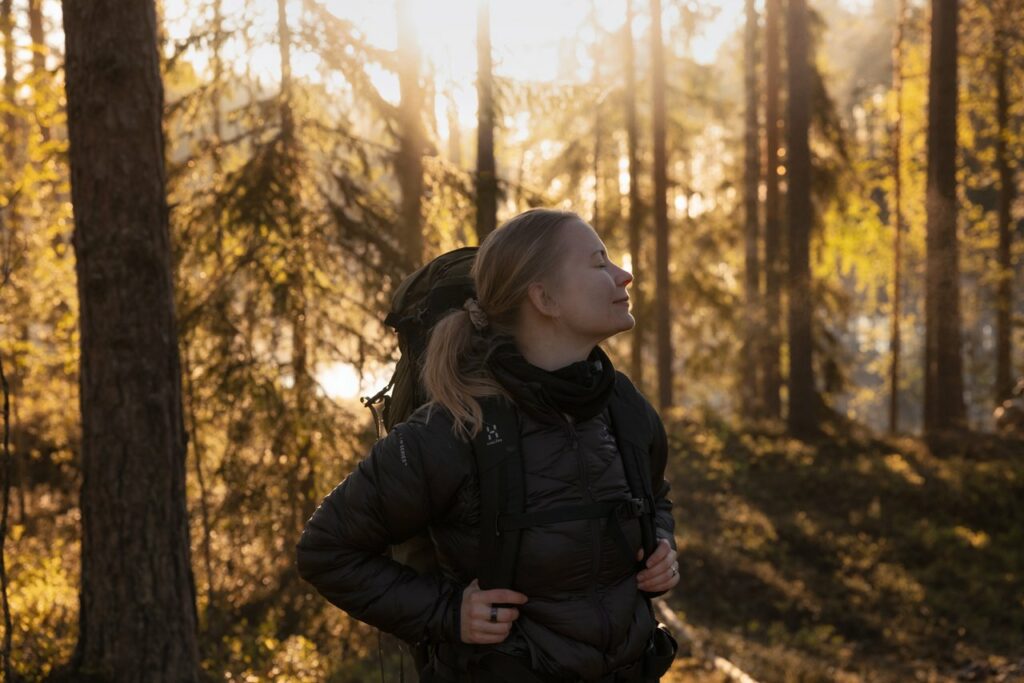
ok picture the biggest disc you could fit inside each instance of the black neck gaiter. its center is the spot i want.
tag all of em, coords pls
(580, 389)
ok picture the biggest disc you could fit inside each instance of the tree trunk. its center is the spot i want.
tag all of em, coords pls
(943, 391)
(217, 86)
(13, 147)
(897, 218)
(595, 212)
(774, 260)
(5, 409)
(802, 414)
(454, 131)
(39, 50)
(1004, 288)
(10, 122)
(639, 287)
(37, 36)
(197, 454)
(661, 211)
(412, 140)
(284, 46)
(597, 85)
(751, 227)
(486, 178)
(301, 471)
(137, 617)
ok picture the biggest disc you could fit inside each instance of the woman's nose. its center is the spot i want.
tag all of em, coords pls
(625, 277)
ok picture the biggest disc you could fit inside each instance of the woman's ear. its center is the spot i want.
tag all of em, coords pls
(541, 301)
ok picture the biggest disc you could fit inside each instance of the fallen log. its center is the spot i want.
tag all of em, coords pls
(698, 646)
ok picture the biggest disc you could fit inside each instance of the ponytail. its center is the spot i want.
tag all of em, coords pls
(453, 372)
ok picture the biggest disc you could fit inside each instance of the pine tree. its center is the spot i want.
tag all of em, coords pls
(802, 417)
(639, 287)
(663, 298)
(137, 612)
(774, 258)
(895, 343)
(749, 382)
(943, 393)
(486, 178)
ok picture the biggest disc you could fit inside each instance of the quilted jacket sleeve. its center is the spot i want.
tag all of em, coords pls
(664, 521)
(409, 479)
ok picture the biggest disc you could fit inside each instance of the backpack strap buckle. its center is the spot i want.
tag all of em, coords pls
(632, 508)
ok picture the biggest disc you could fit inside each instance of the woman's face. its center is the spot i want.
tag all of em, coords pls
(589, 291)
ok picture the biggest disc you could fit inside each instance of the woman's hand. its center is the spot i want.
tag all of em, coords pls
(476, 623)
(662, 571)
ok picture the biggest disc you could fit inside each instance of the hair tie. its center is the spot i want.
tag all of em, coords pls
(476, 314)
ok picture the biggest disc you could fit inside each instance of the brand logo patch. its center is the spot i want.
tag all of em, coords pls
(492, 435)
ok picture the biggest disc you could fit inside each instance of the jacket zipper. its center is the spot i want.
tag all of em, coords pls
(606, 629)
(605, 623)
(574, 446)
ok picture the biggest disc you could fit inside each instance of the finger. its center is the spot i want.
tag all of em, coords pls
(660, 552)
(504, 614)
(659, 583)
(669, 582)
(483, 624)
(502, 595)
(663, 566)
(660, 570)
(660, 575)
(657, 587)
(658, 578)
(487, 628)
(659, 564)
(489, 638)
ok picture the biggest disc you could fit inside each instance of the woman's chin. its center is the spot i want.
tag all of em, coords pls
(627, 323)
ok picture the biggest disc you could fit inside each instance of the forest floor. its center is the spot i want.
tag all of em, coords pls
(853, 558)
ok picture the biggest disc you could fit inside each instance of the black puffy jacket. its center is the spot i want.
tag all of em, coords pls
(585, 615)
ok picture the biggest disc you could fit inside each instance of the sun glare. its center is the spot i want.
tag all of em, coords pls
(341, 381)
(529, 39)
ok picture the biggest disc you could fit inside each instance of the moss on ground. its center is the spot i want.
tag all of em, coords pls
(851, 557)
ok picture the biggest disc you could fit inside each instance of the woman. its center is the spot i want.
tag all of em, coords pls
(548, 294)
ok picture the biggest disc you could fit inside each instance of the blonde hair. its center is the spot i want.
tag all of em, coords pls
(523, 250)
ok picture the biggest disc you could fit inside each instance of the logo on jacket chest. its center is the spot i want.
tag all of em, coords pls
(492, 435)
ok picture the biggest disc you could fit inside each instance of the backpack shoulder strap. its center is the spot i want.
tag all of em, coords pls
(633, 434)
(499, 463)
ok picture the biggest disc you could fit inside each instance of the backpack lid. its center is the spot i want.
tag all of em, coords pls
(421, 299)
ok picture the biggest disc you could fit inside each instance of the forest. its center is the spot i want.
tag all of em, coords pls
(206, 207)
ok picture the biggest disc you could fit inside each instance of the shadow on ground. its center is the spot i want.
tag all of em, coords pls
(851, 558)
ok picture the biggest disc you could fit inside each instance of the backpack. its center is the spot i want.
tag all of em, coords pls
(422, 299)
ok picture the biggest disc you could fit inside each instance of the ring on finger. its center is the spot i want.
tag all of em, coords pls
(494, 614)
